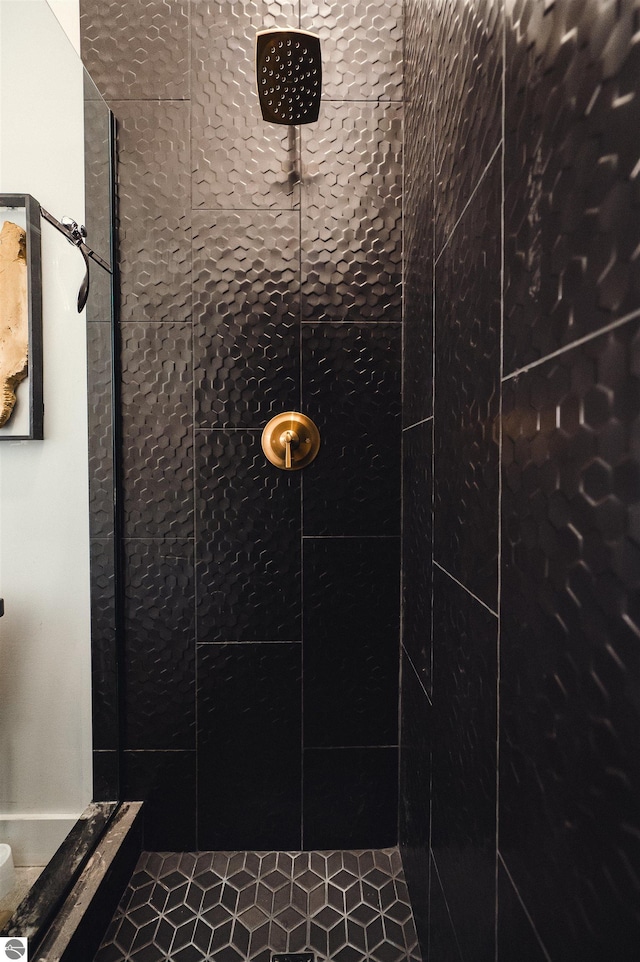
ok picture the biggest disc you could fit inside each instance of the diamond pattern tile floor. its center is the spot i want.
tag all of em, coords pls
(244, 906)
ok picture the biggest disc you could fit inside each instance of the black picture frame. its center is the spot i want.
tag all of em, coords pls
(34, 296)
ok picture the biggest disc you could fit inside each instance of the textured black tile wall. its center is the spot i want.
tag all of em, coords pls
(416, 548)
(249, 548)
(260, 273)
(351, 389)
(414, 803)
(570, 770)
(549, 273)
(350, 794)
(249, 737)
(516, 936)
(463, 822)
(467, 396)
(351, 645)
(159, 658)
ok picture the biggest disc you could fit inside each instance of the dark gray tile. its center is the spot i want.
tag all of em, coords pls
(351, 389)
(417, 547)
(97, 172)
(516, 936)
(249, 746)
(106, 776)
(154, 210)
(468, 102)
(100, 418)
(351, 623)
(246, 313)
(464, 762)
(361, 47)
(418, 212)
(104, 645)
(159, 645)
(248, 562)
(239, 160)
(443, 942)
(351, 213)
(137, 49)
(157, 430)
(414, 821)
(571, 207)
(166, 783)
(569, 766)
(350, 796)
(466, 465)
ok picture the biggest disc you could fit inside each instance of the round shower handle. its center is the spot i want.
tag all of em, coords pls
(291, 441)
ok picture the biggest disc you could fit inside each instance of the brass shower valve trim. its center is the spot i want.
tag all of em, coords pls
(291, 441)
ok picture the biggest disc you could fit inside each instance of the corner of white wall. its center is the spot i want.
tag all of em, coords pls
(68, 14)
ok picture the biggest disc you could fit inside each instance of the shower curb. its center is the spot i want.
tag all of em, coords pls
(77, 930)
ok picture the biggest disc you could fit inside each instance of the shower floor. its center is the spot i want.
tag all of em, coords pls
(244, 906)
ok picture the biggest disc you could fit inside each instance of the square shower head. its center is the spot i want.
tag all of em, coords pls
(289, 76)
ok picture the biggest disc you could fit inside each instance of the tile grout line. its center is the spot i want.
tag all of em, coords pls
(421, 683)
(444, 896)
(464, 587)
(418, 423)
(577, 343)
(469, 200)
(524, 907)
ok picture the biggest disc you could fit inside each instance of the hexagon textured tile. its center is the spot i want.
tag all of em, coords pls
(351, 213)
(139, 57)
(239, 160)
(417, 526)
(353, 37)
(351, 389)
(158, 687)
(572, 205)
(569, 761)
(154, 210)
(248, 578)
(465, 444)
(157, 423)
(468, 102)
(418, 210)
(246, 314)
(100, 429)
(344, 906)
(97, 174)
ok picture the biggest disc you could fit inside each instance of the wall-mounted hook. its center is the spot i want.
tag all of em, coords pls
(75, 234)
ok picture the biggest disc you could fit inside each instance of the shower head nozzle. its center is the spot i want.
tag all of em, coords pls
(289, 76)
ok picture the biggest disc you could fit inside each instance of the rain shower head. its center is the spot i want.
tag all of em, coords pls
(289, 76)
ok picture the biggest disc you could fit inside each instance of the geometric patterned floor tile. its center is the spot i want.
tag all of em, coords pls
(243, 906)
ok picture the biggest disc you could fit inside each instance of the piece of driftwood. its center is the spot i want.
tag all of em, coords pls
(14, 315)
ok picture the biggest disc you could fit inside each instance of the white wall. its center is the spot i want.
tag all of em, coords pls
(45, 708)
(68, 14)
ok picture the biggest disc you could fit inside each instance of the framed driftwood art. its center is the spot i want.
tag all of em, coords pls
(21, 404)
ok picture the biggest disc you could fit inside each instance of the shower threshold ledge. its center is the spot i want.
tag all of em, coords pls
(35, 911)
(346, 906)
(75, 931)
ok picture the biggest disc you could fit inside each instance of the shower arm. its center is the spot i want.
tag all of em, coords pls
(75, 234)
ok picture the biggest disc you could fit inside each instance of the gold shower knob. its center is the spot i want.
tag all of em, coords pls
(291, 441)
